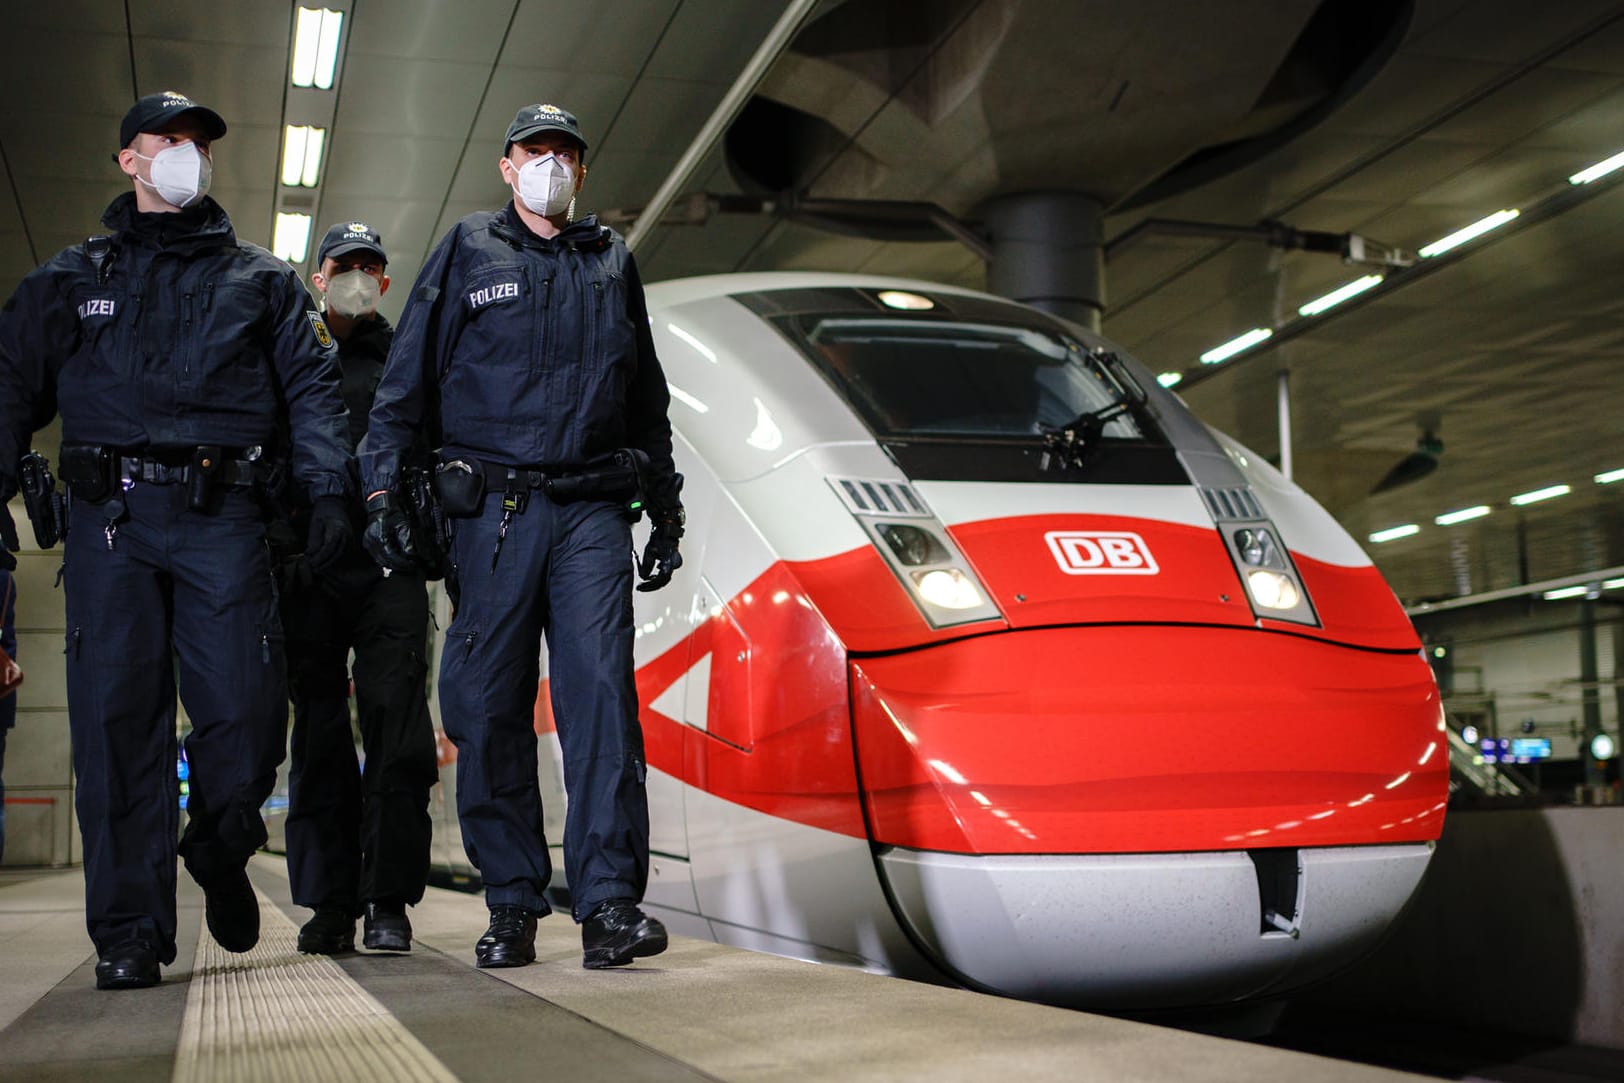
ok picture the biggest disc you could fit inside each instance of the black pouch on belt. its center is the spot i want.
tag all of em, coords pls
(88, 471)
(461, 487)
(204, 472)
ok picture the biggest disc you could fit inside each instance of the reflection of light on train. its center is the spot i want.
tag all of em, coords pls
(989, 661)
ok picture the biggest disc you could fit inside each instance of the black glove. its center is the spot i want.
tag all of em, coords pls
(389, 537)
(8, 539)
(330, 532)
(294, 575)
(660, 557)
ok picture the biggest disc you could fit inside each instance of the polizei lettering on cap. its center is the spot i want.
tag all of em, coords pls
(501, 291)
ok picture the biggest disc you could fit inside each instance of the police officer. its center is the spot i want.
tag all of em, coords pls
(524, 353)
(173, 352)
(358, 842)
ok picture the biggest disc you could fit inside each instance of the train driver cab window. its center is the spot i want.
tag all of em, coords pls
(937, 378)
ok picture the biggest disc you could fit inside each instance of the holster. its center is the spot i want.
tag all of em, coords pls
(89, 471)
(47, 510)
(428, 517)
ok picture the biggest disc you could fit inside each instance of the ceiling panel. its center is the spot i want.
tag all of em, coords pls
(607, 37)
(414, 30)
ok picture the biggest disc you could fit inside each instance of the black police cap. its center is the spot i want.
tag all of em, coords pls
(543, 118)
(155, 111)
(347, 237)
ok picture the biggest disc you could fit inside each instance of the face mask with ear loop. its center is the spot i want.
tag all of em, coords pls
(546, 185)
(353, 293)
(180, 175)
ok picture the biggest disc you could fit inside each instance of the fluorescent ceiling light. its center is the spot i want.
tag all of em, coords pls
(1610, 476)
(301, 154)
(1599, 170)
(1170, 379)
(1235, 346)
(1612, 584)
(1547, 493)
(315, 47)
(291, 240)
(1450, 518)
(1393, 533)
(1565, 592)
(1476, 229)
(1337, 296)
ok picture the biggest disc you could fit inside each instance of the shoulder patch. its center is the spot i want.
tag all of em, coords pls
(323, 336)
(493, 293)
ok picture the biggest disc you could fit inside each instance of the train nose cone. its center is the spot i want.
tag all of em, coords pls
(1076, 814)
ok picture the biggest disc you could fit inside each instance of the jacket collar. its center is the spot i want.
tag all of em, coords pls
(195, 228)
(585, 235)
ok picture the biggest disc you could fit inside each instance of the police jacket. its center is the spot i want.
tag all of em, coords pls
(183, 336)
(523, 350)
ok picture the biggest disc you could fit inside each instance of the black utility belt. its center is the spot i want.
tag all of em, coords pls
(462, 484)
(96, 472)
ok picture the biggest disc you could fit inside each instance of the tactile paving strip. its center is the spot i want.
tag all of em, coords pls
(271, 1014)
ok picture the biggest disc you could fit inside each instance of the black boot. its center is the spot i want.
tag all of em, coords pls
(330, 932)
(509, 941)
(232, 911)
(386, 928)
(131, 965)
(618, 932)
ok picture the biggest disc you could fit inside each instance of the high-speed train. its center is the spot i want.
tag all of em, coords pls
(989, 663)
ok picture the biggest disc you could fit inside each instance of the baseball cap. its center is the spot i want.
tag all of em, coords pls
(543, 118)
(348, 237)
(156, 110)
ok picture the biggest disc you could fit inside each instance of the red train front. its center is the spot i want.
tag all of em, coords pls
(989, 661)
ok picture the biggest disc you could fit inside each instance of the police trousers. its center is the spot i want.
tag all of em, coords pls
(166, 592)
(359, 834)
(564, 574)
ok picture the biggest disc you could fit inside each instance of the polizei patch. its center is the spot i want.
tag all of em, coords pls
(491, 294)
(98, 306)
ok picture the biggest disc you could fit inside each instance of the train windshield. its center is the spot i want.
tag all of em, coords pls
(923, 378)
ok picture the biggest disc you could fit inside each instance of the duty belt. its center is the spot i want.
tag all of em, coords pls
(523, 477)
(233, 472)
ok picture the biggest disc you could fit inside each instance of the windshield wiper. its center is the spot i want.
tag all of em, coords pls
(1069, 445)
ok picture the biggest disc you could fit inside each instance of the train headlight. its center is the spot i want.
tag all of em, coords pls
(1256, 547)
(948, 588)
(911, 544)
(1272, 590)
(918, 550)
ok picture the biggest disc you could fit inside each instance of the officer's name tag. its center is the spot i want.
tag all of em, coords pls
(488, 295)
(97, 306)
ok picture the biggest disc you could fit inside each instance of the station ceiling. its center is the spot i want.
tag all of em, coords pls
(1401, 121)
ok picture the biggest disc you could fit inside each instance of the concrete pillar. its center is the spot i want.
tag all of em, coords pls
(1048, 251)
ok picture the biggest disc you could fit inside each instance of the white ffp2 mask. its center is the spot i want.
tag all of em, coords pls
(546, 185)
(353, 293)
(180, 174)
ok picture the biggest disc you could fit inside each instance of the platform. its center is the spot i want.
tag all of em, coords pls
(700, 1011)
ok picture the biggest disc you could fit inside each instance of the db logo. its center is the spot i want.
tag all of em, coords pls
(1100, 552)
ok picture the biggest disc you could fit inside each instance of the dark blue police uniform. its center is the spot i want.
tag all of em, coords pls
(530, 354)
(172, 354)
